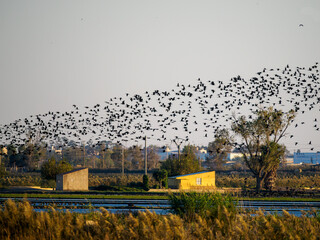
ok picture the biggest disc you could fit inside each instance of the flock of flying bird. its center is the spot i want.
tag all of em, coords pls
(179, 113)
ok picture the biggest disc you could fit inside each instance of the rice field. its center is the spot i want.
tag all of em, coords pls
(135, 180)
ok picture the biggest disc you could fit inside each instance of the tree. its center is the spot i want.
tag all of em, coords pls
(2, 171)
(153, 157)
(275, 152)
(260, 141)
(218, 149)
(189, 163)
(161, 176)
(107, 158)
(63, 166)
(12, 155)
(30, 155)
(145, 182)
(51, 168)
(135, 157)
(74, 154)
(116, 155)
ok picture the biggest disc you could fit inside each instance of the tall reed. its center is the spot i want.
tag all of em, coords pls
(20, 221)
(205, 204)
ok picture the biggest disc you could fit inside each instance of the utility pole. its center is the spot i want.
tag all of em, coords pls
(84, 155)
(122, 162)
(145, 156)
(103, 160)
(178, 142)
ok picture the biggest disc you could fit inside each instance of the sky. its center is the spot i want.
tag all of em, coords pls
(54, 54)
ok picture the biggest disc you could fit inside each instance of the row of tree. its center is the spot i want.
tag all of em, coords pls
(31, 156)
(258, 139)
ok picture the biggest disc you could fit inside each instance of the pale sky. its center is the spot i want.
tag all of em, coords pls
(57, 53)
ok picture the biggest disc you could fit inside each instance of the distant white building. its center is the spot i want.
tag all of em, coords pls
(234, 155)
(309, 158)
(164, 154)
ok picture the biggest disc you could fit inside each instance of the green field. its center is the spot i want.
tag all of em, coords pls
(137, 196)
(80, 196)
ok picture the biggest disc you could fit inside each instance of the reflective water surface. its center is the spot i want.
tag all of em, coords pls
(157, 206)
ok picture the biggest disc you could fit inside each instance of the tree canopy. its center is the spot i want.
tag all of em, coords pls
(218, 149)
(259, 140)
(189, 162)
(51, 168)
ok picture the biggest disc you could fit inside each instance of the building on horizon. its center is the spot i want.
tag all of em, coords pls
(202, 154)
(306, 158)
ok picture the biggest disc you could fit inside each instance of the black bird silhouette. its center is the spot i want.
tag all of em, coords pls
(203, 107)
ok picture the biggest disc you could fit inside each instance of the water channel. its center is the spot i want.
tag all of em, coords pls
(156, 205)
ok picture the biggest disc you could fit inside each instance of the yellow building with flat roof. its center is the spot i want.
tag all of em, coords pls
(199, 180)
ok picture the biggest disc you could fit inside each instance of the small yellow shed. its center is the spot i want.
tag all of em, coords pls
(197, 180)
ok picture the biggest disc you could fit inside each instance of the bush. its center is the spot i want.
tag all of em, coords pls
(116, 179)
(48, 183)
(146, 182)
(161, 176)
(2, 171)
(204, 204)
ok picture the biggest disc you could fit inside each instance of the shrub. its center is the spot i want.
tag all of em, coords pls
(145, 182)
(48, 183)
(2, 170)
(161, 176)
(204, 204)
(116, 179)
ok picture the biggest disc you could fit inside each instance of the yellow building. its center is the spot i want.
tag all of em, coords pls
(199, 180)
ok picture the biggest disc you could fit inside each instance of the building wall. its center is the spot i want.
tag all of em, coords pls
(192, 181)
(73, 180)
(174, 183)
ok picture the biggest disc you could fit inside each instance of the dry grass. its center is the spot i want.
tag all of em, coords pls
(115, 179)
(21, 180)
(19, 221)
(128, 180)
